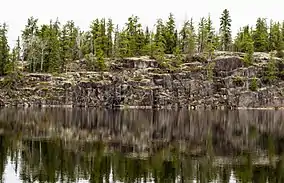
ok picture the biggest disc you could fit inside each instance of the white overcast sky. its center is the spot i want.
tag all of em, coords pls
(243, 12)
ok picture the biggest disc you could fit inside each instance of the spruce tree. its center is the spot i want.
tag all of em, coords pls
(202, 35)
(159, 41)
(210, 47)
(53, 56)
(191, 38)
(260, 36)
(109, 51)
(146, 50)
(116, 42)
(4, 50)
(275, 37)
(170, 35)
(248, 46)
(29, 43)
(225, 30)
(184, 37)
(123, 45)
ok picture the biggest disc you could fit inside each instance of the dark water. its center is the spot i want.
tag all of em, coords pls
(65, 145)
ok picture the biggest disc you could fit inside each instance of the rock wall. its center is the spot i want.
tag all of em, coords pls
(139, 82)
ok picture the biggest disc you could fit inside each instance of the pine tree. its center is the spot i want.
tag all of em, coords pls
(4, 50)
(202, 35)
(65, 48)
(116, 42)
(170, 35)
(100, 60)
(53, 56)
(135, 36)
(271, 70)
(260, 36)
(159, 41)
(18, 49)
(29, 42)
(191, 38)
(146, 50)
(123, 45)
(275, 37)
(210, 47)
(225, 30)
(188, 38)
(95, 28)
(184, 37)
(109, 51)
(103, 40)
(248, 46)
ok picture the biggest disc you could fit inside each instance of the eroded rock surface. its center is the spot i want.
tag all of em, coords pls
(223, 82)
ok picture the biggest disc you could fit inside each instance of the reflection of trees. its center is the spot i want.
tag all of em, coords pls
(183, 145)
(231, 132)
(60, 161)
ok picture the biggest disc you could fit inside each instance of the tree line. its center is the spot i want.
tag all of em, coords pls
(50, 47)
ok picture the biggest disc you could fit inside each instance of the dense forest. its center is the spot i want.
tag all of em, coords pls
(50, 47)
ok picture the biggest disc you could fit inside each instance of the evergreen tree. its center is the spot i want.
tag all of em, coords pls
(18, 49)
(271, 70)
(275, 37)
(4, 50)
(260, 36)
(159, 41)
(202, 35)
(29, 42)
(210, 47)
(170, 35)
(191, 39)
(184, 37)
(188, 38)
(123, 45)
(95, 28)
(109, 38)
(225, 30)
(116, 42)
(135, 36)
(102, 40)
(248, 46)
(100, 59)
(53, 56)
(146, 50)
(65, 48)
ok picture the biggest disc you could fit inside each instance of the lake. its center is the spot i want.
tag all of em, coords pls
(127, 146)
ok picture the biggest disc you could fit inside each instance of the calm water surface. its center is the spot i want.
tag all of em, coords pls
(94, 146)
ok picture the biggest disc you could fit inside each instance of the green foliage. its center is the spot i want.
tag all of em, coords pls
(188, 38)
(271, 71)
(51, 47)
(238, 81)
(202, 35)
(254, 84)
(100, 60)
(225, 30)
(178, 57)
(260, 36)
(275, 37)
(249, 50)
(4, 51)
(210, 71)
(170, 35)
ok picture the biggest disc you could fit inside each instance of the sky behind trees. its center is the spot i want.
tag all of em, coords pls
(16, 12)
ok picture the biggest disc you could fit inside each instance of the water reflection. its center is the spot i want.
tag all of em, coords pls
(72, 145)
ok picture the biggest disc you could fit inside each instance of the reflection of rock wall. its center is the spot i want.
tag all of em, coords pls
(227, 131)
(224, 82)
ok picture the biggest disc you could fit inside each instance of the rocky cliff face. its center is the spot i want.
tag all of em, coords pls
(140, 82)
